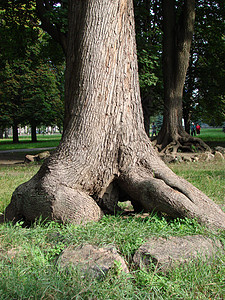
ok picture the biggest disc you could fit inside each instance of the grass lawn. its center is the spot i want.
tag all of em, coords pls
(44, 141)
(213, 137)
(31, 272)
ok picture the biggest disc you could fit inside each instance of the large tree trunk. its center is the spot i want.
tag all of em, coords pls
(176, 51)
(6, 133)
(105, 154)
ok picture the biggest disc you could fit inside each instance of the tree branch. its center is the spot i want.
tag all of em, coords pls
(46, 25)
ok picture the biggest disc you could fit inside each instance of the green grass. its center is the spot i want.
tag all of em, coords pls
(206, 176)
(44, 141)
(10, 178)
(212, 134)
(213, 137)
(29, 270)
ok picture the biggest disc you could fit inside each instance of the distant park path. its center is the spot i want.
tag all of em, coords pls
(17, 156)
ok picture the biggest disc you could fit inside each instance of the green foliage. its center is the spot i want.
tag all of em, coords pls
(30, 93)
(149, 52)
(18, 28)
(31, 87)
(58, 14)
(148, 63)
(204, 90)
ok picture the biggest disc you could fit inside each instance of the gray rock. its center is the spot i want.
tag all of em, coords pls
(29, 158)
(40, 156)
(168, 158)
(207, 156)
(196, 159)
(187, 158)
(218, 156)
(92, 260)
(167, 253)
(220, 149)
(43, 155)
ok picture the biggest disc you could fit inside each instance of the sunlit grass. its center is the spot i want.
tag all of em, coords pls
(10, 178)
(32, 273)
(44, 141)
(209, 177)
(212, 134)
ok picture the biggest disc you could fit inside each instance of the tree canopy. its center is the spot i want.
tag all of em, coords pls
(31, 75)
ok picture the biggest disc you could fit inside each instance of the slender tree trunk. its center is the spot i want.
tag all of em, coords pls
(15, 133)
(105, 154)
(187, 120)
(146, 107)
(176, 51)
(33, 133)
(1, 133)
(6, 133)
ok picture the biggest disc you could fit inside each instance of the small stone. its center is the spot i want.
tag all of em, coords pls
(196, 159)
(92, 260)
(168, 158)
(207, 156)
(43, 155)
(220, 149)
(29, 158)
(167, 253)
(187, 158)
(218, 156)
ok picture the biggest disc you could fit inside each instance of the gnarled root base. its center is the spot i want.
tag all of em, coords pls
(184, 143)
(145, 180)
(173, 195)
(34, 199)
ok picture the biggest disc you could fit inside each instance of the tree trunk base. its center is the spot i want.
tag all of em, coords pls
(143, 178)
(54, 201)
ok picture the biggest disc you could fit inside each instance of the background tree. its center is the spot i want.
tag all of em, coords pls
(207, 68)
(148, 26)
(31, 85)
(104, 155)
(42, 102)
(16, 36)
(178, 28)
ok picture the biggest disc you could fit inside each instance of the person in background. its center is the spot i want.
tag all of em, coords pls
(153, 129)
(193, 127)
(198, 128)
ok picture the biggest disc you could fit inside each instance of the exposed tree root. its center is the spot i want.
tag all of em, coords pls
(183, 144)
(166, 192)
(58, 202)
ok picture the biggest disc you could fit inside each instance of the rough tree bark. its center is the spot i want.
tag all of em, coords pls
(105, 154)
(176, 51)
